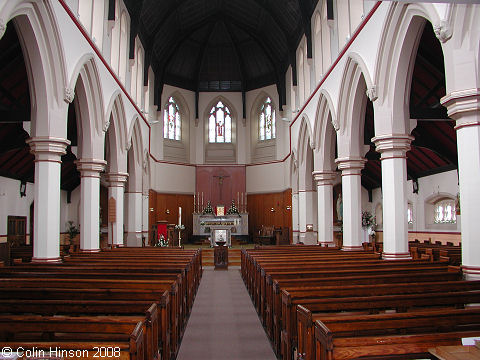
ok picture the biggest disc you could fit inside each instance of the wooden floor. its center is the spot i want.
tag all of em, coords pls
(224, 324)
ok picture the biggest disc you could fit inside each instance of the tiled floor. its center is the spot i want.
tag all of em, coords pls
(223, 324)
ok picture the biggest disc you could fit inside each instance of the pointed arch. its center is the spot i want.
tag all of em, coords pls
(89, 108)
(403, 28)
(40, 40)
(116, 135)
(324, 133)
(352, 104)
(135, 157)
(305, 138)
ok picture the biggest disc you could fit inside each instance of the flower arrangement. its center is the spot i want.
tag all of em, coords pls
(208, 209)
(180, 227)
(233, 209)
(368, 220)
(162, 242)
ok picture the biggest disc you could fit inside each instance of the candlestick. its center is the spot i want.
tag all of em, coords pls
(194, 208)
(245, 202)
(238, 198)
(202, 200)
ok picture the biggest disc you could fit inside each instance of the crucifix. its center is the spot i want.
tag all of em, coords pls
(220, 182)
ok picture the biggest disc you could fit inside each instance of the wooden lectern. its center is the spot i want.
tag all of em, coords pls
(220, 256)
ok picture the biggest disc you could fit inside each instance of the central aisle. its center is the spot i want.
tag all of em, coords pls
(223, 324)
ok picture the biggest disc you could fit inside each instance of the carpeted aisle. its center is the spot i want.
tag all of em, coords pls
(223, 324)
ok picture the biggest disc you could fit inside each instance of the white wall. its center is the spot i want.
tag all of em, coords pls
(443, 183)
(268, 178)
(170, 178)
(11, 204)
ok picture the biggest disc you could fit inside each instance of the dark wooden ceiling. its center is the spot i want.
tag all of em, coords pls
(219, 45)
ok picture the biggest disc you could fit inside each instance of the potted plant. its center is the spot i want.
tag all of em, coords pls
(72, 232)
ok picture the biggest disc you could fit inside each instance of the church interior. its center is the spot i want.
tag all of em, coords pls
(162, 160)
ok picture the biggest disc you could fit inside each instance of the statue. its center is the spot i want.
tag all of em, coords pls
(339, 208)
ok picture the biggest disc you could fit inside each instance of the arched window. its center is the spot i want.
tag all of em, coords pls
(410, 213)
(266, 126)
(445, 211)
(220, 124)
(171, 121)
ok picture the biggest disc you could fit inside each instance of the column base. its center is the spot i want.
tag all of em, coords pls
(326, 244)
(351, 248)
(471, 272)
(396, 256)
(89, 250)
(46, 260)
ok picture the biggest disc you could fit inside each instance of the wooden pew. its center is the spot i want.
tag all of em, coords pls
(157, 323)
(162, 293)
(124, 335)
(399, 335)
(310, 311)
(282, 321)
(132, 273)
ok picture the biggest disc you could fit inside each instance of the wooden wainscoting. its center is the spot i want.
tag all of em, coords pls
(260, 210)
(159, 204)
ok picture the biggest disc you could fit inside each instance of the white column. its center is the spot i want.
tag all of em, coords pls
(324, 180)
(116, 183)
(145, 207)
(48, 152)
(134, 215)
(302, 215)
(393, 150)
(464, 107)
(352, 201)
(295, 224)
(90, 170)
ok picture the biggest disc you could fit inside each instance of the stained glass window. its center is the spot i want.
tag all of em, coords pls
(171, 121)
(267, 121)
(220, 124)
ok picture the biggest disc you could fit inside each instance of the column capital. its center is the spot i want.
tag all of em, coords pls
(393, 145)
(460, 102)
(47, 148)
(90, 167)
(323, 178)
(117, 179)
(351, 165)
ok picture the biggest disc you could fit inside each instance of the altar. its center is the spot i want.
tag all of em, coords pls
(220, 228)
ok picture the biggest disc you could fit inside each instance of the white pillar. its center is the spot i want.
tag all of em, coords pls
(393, 150)
(145, 207)
(351, 168)
(116, 183)
(464, 107)
(324, 180)
(90, 170)
(295, 224)
(134, 223)
(302, 215)
(48, 152)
